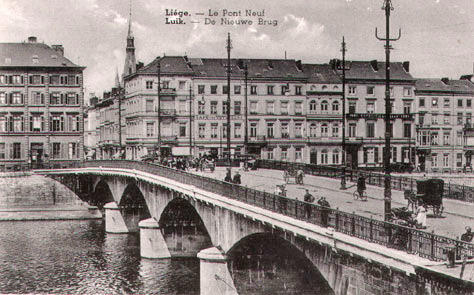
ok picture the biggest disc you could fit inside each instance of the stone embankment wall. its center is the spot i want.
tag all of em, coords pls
(29, 190)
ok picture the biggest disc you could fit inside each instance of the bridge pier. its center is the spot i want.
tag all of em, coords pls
(114, 221)
(152, 242)
(215, 276)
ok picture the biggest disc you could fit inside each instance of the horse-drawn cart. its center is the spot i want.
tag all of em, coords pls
(429, 193)
(295, 173)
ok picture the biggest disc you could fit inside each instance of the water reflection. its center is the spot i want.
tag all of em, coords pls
(77, 257)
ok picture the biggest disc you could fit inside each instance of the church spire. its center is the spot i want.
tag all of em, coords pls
(117, 78)
(130, 65)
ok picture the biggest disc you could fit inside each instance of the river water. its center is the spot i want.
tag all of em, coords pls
(78, 257)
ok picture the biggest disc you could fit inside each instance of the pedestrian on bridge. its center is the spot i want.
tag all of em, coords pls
(228, 176)
(236, 178)
(468, 235)
(308, 198)
(324, 210)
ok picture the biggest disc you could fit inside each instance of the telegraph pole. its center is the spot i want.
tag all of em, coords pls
(246, 139)
(343, 178)
(159, 107)
(229, 47)
(387, 6)
(190, 122)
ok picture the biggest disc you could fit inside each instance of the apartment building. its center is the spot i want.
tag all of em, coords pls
(41, 99)
(444, 117)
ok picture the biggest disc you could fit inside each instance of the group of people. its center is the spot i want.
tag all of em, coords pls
(236, 179)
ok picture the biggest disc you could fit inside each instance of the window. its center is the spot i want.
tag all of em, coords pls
(458, 160)
(224, 107)
(3, 79)
(201, 107)
(468, 118)
(298, 130)
(298, 108)
(37, 98)
(370, 107)
(284, 107)
(73, 123)
(71, 99)
(150, 129)
(16, 150)
(202, 130)
(253, 107)
(166, 84)
(446, 118)
(324, 106)
(270, 107)
(352, 107)
(201, 89)
(56, 150)
(407, 91)
(149, 84)
(181, 85)
(253, 129)
(434, 160)
(370, 155)
(459, 137)
(213, 107)
(407, 130)
(335, 130)
(352, 129)
(17, 98)
(237, 107)
(298, 154)
(285, 90)
(237, 89)
(36, 123)
(352, 90)
(446, 160)
(407, 107)
(149, 105)
(284, 153)
(468, 103)
(3, 98)
(370, 129)
(284, 130)
(237, 130)
(214, 130)
(446, 138)
(298, 90)
(182, 129)
(312, 106)
(57, 123)
(253, 89)
(324, 130)
(17, 79)
(434, 138)
(270, 153)
(421, 102)
(335, 106)
(460, 119)
(434, 119)
(270, 130)
(182, 106)
(3, 123)
(224, 130)
(335, 157)
(270, 89)
(213, 89)
(370, 90)
(324, 156)
(460, 103)
(71, 80)
(54, 98)
(225, 89)
(434, 102)
(421, 119)
(36, 79)
(2, 150)
(447, 103)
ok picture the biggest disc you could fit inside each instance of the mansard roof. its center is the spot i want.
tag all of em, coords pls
(168, 65)
(32, 55)
(374, 70)
(445, 86)
(321, 74)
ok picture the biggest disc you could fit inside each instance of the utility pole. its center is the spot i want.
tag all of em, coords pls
(387, 6)
(119, 94)
(190, 122)
(343, 178)
(246, 139)
(159, 107)
(229, 47)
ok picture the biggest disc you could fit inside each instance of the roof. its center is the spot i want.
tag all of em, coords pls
(364, 70)
(444, 85)
(168, 65)
(321, 74)
(23, 55)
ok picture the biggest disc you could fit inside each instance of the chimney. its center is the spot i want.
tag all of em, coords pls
(445, 81)
(140, 65)
(240, 64)
(59, 49)
(32, 39)
(374, 65)
(406, 66)
(299, 66)
(334, 64)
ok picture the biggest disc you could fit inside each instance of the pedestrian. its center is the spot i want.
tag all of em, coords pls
(308, 198)
(421, 216)
(324, 210)
(228, 176)
(468, 235)
(236, 179)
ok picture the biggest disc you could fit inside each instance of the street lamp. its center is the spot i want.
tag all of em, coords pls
(343, 178)
(190, 122)
(159, 108)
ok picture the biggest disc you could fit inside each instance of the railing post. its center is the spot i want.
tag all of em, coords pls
(337, 219)
(264, 195)
(432, 246)
(353, 224)
(371, 229)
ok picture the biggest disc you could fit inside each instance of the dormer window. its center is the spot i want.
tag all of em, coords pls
(35, 59)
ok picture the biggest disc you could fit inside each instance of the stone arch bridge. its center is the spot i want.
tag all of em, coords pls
(239, 233)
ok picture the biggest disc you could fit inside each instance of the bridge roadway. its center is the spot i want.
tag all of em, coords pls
(456, 216)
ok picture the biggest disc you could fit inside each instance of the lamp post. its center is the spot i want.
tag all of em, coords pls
(190, 122)
(343, 178)
(229, 47)
(159, 108)
(246, 139)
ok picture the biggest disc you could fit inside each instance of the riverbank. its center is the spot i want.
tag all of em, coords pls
(26, 196)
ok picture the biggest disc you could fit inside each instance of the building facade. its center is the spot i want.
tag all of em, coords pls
(443, 123)
(41, 99)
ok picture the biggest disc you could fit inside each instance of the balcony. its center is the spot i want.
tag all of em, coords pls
(168, 92)
(168, 112)
(258, 140)
(374, 116)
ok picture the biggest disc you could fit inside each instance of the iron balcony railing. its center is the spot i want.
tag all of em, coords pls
(424, 244)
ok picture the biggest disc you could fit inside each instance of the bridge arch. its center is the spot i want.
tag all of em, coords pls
(133, 206)
(274, 265)
(102, 194)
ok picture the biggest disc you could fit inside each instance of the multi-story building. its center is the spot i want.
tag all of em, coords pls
(365, 111)
(41, 99)
(444, 113)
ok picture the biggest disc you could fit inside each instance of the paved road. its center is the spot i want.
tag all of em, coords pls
(456, 214)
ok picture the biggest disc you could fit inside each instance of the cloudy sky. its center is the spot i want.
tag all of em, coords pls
(437, 35)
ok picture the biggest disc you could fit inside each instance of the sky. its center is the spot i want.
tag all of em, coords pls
(436, 35)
